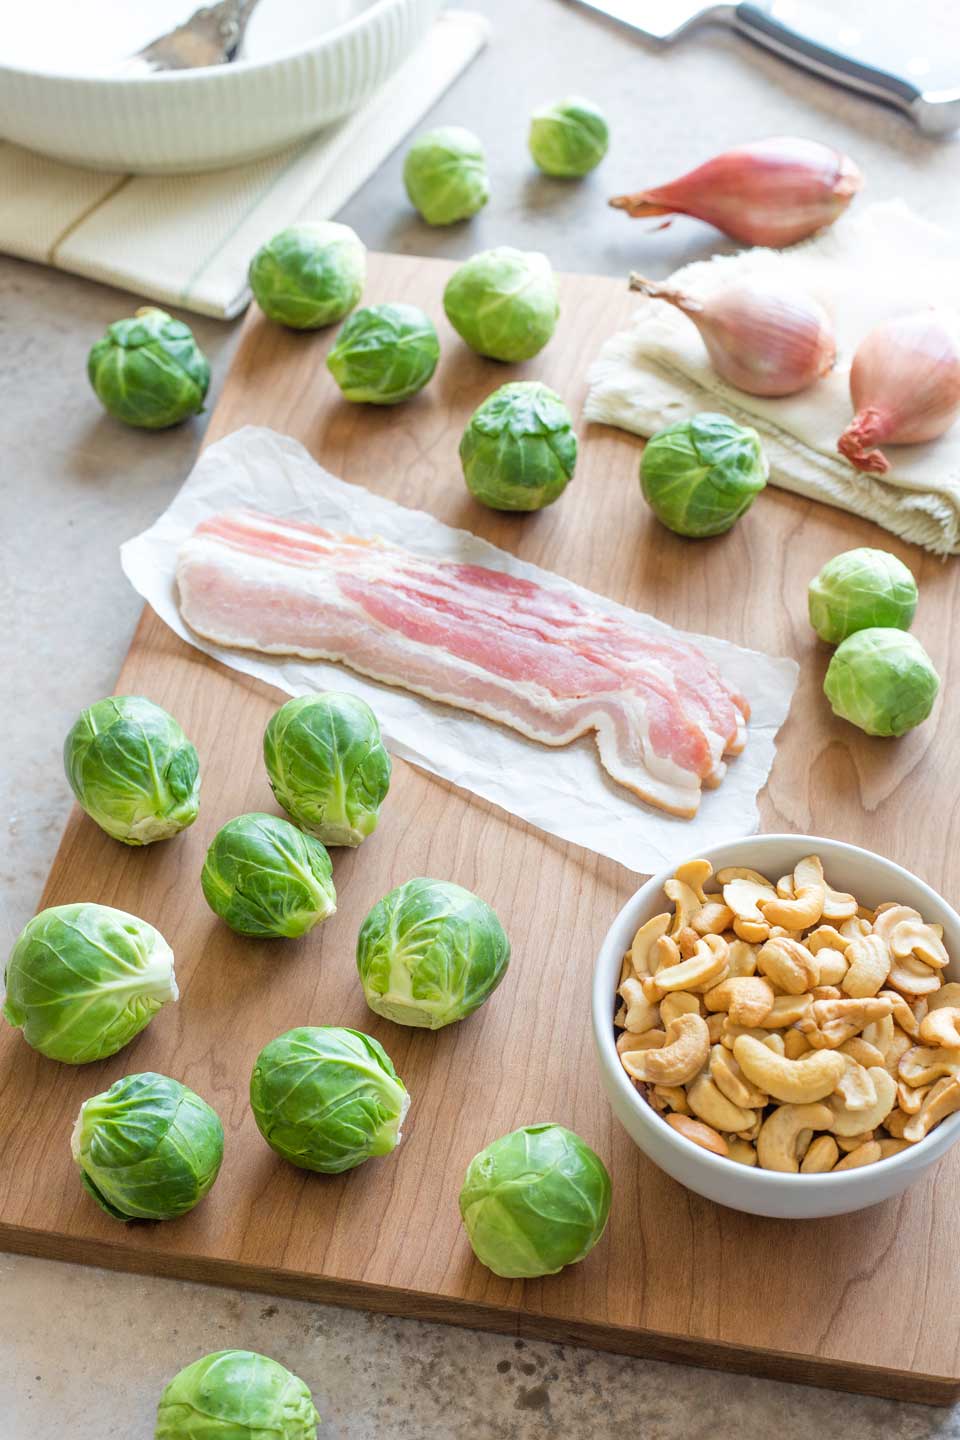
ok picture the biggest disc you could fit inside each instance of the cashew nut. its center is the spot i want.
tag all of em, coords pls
(709, 1103)
(644, 941)
(902, 1013)
(670, 1097)
(831, 1022)
(741, 1151)
(910, 1098)
(686, 904)
(684, 1052)
(730, 1032)
(866, 1154)
(746, 999)
(728, 1078)
(713, 918)
(795, 1044)
(826, 937)
(741, 958)
(821, 1156)
(778, 1144)
(868, 962)
(853, 1122)
(826, 992)
(665, 952)
(855, 1086)
(715, 1024)
(629, 1044)
(913, 937)
(862, 1051)
(942, 1027)
(788, 964)
(787, 1010)
(742, 894)
(703, 967)
(806, 906)
(889, 1147)
(948, 995)
(942, 1100)
(678, 1002)
(686, 939)
(796, 1082)
(831, 965)
(920, 1066)
(695, 1130)
(850, 1142)
(695, 874)
(837, 905)
(855, 927)
(638, 1014)
(913, 977)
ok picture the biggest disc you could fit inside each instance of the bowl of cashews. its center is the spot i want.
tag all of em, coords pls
(777, 1025)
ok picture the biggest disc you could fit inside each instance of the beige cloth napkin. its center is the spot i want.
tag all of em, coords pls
(875, 263)
(186, 240)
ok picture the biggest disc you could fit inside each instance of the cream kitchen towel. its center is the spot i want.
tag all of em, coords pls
(186, 240)
(875, 263)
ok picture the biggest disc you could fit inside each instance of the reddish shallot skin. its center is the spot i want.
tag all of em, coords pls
(772, 192)
(765, 339)
(905, 388)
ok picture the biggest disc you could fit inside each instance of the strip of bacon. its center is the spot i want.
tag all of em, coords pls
(526, 655)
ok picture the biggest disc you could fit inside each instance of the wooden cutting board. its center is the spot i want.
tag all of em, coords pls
(865, 1302)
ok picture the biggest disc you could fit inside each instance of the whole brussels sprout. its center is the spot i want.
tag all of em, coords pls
(309, 275)
(569, 138)
(503, 303)
(264, 877)
(149, 371)
(83, 980)
(148, 1148)
(519, 450)
(236, 1395)
(384, 354)
(861, 589)
(881, 680)
(534, 1201)
(327, 765)
(445, 174)
(430, 953)
(133, 770)
(700, 475)
(327, 1099)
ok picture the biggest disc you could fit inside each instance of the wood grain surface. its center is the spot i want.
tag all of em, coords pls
(867, 1302)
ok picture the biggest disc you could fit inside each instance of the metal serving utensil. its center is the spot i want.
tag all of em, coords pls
(922, 80)
(212, 36)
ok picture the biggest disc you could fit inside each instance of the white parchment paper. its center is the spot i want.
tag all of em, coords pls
(564, 791)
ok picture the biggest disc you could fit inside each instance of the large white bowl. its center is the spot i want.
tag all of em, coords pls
(206, 119)
(764, 1192)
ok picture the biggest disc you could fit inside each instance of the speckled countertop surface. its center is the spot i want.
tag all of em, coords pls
(83, 1353)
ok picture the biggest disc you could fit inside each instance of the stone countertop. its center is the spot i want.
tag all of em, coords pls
(84, 1353)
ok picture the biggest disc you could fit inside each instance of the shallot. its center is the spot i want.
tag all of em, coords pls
(763, 338)
(772, 192)
(905, 388)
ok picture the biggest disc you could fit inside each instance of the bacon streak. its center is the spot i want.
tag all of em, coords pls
(526, 655)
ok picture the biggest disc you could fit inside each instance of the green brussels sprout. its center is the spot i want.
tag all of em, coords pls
(236, 1395)
(445, 174)
(149, 371)
(148, 1148)
(700, 475)
(327, 1099)
(518, 450)
(881, 680)
(503, 303)
(327, 765)
(859, 590)
(133, 770)
(569, 138)
(264, 877)
(384, 354)
(83, 980)
(534, 1201)
(309, 275)
(430, 953)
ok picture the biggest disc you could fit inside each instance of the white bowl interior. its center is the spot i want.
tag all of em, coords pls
(873, 880)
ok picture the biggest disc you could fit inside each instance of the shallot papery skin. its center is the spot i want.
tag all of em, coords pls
(763, 338)
(772, 192)
(905, 388)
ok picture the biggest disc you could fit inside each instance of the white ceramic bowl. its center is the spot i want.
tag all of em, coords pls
(206, 119)
(765, 1192)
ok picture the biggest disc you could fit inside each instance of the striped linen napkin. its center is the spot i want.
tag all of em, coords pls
(186, 240)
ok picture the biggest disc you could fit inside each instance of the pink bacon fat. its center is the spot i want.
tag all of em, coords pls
(525, 655)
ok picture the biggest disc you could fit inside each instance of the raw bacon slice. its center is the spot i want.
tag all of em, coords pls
(523, 654)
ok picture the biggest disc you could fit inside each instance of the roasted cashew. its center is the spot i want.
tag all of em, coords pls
(948, 995)
(826, 992)
(889, 1147)
(942, 1027)
(728, 1078)
(695, 1130)
(942, 1100)
(866, 1154)
(903, 1015)
(741, 872)
(713, 918)
(752, 1131)
(897, 1122)
(670, 1097)
(788, 964)
(868, 965)
(741, 958)
(742, 895)
(686, 904)
(703, 967)
(831, 1022)
(821, 1156)
(778, 1144)
(855, 1086)
(797, 1082)
(708, 1103)
(741, 1151)
(638, 1014)
(922, 941)
(920, 1066)
(715, 1024)
(644, 941)
(729, 1034)
(854, 927)
(684, 1052)
(913, 977)
(853, 1122)
(831, 965)
(747, 999)
(795, 1044)
(695, 874)
(880, 1033)
(837, 905)
(862, 1051)
(629, 1044)
(787, 1010)
(826, 937)
(910, 1098)
(895, 1051)
(678, 1002)
(806, 907)
(850, 1142)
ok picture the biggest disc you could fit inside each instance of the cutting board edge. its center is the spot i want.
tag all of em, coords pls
(888, 1384)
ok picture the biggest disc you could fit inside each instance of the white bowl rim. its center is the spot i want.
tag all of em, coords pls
(941, 1137)
(186, 78)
